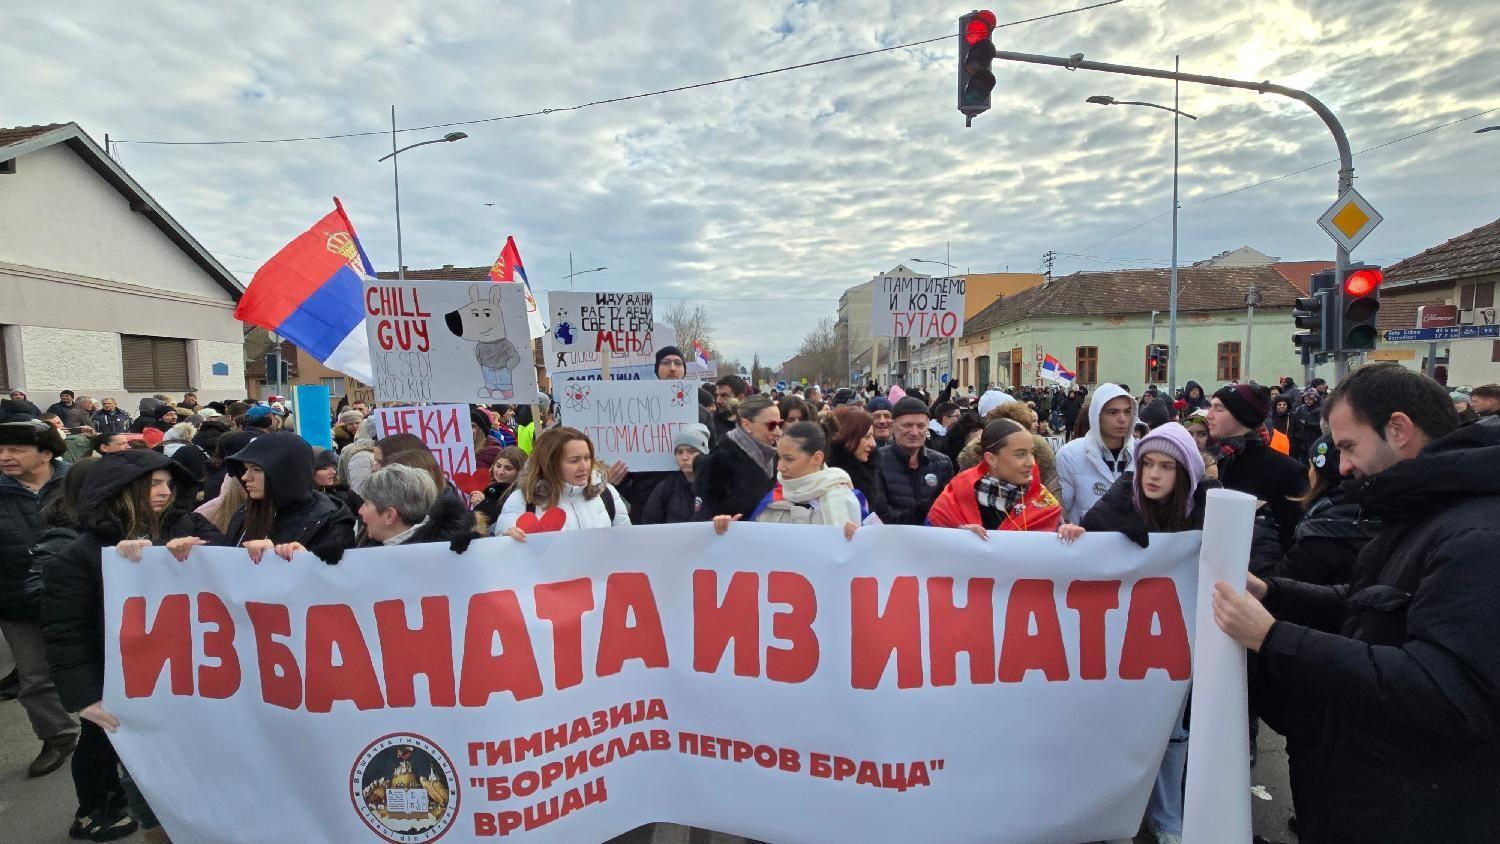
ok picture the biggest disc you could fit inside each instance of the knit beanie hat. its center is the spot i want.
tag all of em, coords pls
(351, 417)
(909, 406)
(1156, 414)
(694, 436)
(1324, 458)
(669, 350)
(1249, 404)
(35, 433)
(992, 399)
(325, 457)
(1174, 441)
(878, 403)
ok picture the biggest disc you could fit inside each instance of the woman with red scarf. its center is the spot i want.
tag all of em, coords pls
(1003, 492)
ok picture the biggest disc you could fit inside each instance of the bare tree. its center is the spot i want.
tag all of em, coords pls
(691, 323)
(818, 358)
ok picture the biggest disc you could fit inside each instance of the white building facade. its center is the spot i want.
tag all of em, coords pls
(101, 291)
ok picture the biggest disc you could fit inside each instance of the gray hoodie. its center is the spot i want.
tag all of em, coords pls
(1081, 468)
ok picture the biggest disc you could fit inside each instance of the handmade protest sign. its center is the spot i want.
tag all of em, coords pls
(633, 421)
(617, 325)
(913, 684)
(445, 429)
(917, 307)
(632, 364)
(444, 341)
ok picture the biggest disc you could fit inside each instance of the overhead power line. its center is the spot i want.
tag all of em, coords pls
(1263, 182)
(663, 91)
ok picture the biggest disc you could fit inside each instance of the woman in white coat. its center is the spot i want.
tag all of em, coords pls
(807, 492)
(560, 489)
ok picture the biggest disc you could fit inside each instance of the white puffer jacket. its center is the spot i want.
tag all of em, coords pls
(1081, 470)
(580, 513)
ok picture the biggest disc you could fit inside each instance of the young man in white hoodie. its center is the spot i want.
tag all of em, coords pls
(1089, 465)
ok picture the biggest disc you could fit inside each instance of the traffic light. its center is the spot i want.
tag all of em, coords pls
(975, 52)
(1311, 312)
(1359, 305)
(1156, 363)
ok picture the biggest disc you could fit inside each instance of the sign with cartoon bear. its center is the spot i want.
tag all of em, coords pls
(452, 342)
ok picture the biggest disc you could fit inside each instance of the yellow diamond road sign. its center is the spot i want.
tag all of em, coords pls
(1350, 219)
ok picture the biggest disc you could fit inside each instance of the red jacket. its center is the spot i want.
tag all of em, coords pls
(957, 505)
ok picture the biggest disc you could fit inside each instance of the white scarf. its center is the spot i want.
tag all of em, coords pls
(832, 488)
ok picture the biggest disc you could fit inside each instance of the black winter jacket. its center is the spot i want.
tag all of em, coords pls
(909, 493)
(319, 521)
(866, 476)
(448, 521)
(729, 483)
(114, 421)
(1327, 541)
(1405, 656)
(20, 527)
(671, 501)
(1116, 511)
(1305, 428)
(1271, 477)
(73, 599)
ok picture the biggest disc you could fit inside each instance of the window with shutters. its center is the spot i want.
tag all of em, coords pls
(1016, 356)
(1229, 361)
(154, 363)
(1086, 359)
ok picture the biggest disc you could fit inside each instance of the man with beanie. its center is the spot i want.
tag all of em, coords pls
(879, 409)
(914, 474)
(1089, 465)
(30, 473)
(670, 364)
(1236, 415)
(671, 502)
(346, 428)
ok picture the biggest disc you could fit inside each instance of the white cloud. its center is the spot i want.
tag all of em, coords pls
(795, 185)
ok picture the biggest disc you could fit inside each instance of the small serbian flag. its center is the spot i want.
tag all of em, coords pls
(506, 268)
(1052, 368)
(311, 293)
(700, 357)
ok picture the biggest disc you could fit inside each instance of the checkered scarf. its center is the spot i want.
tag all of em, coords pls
(997, 496)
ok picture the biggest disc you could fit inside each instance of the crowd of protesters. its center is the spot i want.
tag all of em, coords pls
(1370, 611)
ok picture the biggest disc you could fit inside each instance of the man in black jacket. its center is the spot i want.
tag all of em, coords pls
(30, 472)
(1246, 464)
(1404, 657)
(914, 475)
(110, 419)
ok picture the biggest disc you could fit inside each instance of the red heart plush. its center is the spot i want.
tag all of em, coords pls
(551, 520)
(471, 481)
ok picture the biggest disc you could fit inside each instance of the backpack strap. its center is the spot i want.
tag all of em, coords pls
(609, 503)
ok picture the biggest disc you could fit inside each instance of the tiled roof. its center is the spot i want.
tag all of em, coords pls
(1473, 253)
(1399, 314)
(447, 272)
(17, 134)
(1122, 292)
(1298, 272)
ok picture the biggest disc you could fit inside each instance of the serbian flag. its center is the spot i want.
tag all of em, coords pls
(506, 268)
(700, 357)
(310, 293)
(1052, 368)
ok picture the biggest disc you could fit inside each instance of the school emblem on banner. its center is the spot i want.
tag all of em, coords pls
(404, 789)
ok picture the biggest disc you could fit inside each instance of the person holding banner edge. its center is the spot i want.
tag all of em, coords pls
(561, 488)
(806, 491)
(1403, 658)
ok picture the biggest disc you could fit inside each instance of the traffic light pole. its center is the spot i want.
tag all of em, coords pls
(1346, 156)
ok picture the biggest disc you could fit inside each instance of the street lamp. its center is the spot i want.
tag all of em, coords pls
(396, 174)
(570, 274)
(1172, 296)
(1487, 129)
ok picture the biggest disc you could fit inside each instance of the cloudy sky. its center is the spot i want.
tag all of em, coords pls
(763, 199)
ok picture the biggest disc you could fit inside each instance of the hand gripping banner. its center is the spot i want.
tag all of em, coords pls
(778, 682)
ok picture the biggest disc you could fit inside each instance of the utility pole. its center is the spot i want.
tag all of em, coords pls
(1252, 299)
(1172, 304)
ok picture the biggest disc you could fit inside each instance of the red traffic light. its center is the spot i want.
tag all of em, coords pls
(1363, 282)
(979, 28)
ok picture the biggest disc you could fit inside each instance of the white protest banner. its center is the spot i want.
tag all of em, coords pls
(445, 429)
(913, 684)
(630, 364)
(917, 307)
(633, 421)
(446, 341)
